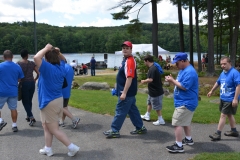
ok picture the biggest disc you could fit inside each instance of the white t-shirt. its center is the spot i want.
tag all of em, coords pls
(73, 64)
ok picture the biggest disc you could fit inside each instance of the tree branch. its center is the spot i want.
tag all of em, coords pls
(142, 7)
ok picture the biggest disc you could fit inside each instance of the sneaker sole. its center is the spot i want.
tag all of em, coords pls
(113, 136)
(138, 133)
(214, 139)
(158, 124)
(231, 135)
(49, 155)
(175, 151)
(3, 126)
(188, 144)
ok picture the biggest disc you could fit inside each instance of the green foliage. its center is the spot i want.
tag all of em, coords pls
(201, 74)
(85, 39)
(218, 156)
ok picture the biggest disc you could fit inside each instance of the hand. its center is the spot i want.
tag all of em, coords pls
(142, 81)
(209, 94)
(123, 96)
(48, 47)
(57, 49)
(169, 78)
(234, 103)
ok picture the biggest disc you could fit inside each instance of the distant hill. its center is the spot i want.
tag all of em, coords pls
(69, 39)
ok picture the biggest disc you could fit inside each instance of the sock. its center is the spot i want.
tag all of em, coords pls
(1, 120)
(47, 148)
(234, 129)
(179, 144)
(219, 132)
(160, 118)
(14, 125)
(148, 113)
(70, 147)
(188, 137)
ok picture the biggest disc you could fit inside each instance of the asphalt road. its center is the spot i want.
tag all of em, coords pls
(25, 144)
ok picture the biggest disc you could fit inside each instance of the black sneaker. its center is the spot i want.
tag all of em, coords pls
(27, 119)
(175, 148)
(32, 121)
(231, 133)
(185, 141)
(14, 129)
(143, 130)
(111, 134)
(215, 137)
(2, 124)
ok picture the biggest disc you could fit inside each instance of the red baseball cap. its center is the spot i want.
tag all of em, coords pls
(127, 43)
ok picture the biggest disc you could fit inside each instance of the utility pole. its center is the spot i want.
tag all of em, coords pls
(35, 35)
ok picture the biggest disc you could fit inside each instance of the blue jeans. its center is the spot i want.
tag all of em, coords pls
(127, 106)
(28, 88)
(92, 71)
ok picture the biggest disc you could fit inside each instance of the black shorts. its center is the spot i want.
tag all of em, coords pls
(65, 102)
(226, 108)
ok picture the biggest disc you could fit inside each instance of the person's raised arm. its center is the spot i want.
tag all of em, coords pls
(38, 57)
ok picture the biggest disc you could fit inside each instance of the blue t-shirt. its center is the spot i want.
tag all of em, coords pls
(228, 82)
(188, 79)
(93, 63)
(10, 72)
(69, 77)
(50, 82)
(128, 69)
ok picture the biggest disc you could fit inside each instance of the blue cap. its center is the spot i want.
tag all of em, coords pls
(179, 56)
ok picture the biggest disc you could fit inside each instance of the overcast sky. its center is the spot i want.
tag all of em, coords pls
(82, 12)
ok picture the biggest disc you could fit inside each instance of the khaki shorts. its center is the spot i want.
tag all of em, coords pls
(182, 116)
(53, 111)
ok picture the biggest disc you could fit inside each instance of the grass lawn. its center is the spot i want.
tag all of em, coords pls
(102, 102)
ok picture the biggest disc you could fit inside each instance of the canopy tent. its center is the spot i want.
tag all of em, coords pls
(144, 48)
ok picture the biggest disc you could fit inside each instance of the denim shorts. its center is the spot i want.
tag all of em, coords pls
(11, 101)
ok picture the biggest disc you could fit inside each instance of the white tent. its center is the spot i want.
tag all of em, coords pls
(144, 48)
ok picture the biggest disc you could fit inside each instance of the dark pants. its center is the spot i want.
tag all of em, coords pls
(92, 71)
(124, 108)
(28, 88)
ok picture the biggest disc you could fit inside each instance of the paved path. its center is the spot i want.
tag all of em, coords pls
(25, 144)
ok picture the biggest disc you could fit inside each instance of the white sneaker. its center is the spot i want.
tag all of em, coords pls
(157, 123)
(73, 151)
(145, 117)
(44, 152)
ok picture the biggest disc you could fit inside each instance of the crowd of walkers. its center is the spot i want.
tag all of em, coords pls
(54, 85)
(54, 77)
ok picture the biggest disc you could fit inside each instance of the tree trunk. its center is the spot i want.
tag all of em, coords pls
(221, 33)
(180, 26)
(155, 28)
(191, 33)
(229, 11)
(235, 35)
(210, 66)
(197, 36)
